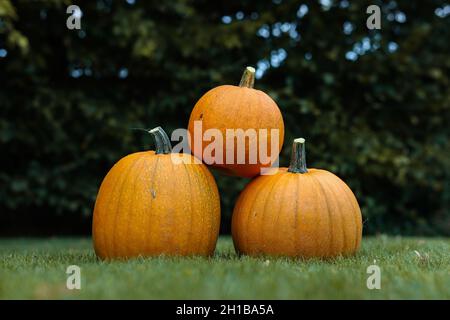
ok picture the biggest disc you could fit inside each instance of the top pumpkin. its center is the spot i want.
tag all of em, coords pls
(237, 107)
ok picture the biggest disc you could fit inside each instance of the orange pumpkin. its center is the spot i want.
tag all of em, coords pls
(238, 107)
(297, 212)
(149, 205)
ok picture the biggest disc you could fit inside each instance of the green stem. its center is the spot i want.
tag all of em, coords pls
(248, 78)
(298, 157)
(162, 141)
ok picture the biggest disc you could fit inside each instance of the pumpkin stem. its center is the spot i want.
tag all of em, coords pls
(162, 141)
(248, 78)
(298, 157)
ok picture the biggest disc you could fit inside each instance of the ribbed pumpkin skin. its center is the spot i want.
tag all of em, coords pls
(314, 214)
(234, 107)
(148, 206)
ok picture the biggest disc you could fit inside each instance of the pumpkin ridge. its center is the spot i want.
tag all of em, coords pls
(258, 160)
(331, 246)
(297, 208)
(117, 188)
(132, 209)
(246, 99)
(266, 201)
(341, 187)
(213, 189)
(144, 209)
(258, 126)
(191, 205)
(150, 209)
(315, 210)
(297, 189)
(252, 205)
(237, 208)
(113, 241)
(203, 233)
(265, 209)
(173, 211)
(235, 109)
(356, 222)
(356, 212)
(351, 198)
(341, 214)
(241, 201)
(282, 202)
(202, 176)
(259, 118)
(104, 237)
(107, 236)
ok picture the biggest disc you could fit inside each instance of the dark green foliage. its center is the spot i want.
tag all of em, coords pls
(68, 98)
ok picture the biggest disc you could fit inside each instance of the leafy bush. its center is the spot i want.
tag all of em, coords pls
(373, 104)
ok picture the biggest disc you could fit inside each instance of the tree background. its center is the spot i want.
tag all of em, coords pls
(373, 104)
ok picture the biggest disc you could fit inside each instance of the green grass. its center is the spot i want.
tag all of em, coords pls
(35, 269)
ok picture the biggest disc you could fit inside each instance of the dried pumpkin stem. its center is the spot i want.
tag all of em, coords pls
(248, 78)
(298, 157)
(162, 141)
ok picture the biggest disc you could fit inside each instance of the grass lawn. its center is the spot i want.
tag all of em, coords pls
(36, 269)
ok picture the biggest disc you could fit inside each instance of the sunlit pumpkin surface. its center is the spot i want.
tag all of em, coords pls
(147, 205)
(313, 214)
(237, 107)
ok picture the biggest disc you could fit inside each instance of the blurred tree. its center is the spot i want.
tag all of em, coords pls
(373, 104)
